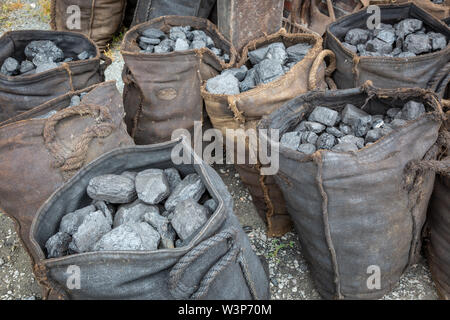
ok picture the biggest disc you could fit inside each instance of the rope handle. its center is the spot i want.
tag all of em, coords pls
(439, 166)
(178, 290)
(312, 80)
(101, 129)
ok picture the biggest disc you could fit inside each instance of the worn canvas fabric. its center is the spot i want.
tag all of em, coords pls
(100, 19)
(218, 263)
(147, 10)
(357, 210)
(19, 94)
(38, 155)
(162, 91)
(385, 72)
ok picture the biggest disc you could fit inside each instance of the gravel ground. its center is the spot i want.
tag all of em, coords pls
(289, 274)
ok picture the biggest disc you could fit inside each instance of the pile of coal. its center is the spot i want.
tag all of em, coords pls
(265, 65)
(41, 55)
(153, 40)
(148, 210)
(407, 38)
(74, 101)
(350, 130)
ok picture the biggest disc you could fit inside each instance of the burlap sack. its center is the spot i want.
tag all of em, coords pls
(162, 91)
(246, 109)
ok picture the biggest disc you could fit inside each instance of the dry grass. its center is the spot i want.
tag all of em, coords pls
(44, 10)
(6, 8)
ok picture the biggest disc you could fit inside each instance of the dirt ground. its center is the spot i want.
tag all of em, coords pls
(289, 274)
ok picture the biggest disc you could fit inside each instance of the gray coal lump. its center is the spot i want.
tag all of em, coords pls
(10, 67)
(191, 187)
(71, 221)
(179, 38)
(291, 140)
(133, 212)
(58, 245)
(152, 186)
(225, 83)
(348, 131)
(189, 217)
(407, 38)
(265, 64)
(324, 115)
(173, 177)
(135, 225)
(112, 188)
(211, 205)
(164, 228)
(94, 226)
(268, 70)
(41, 56)
(129, 237)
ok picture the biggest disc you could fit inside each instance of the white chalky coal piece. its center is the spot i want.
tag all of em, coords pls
(152, 186)
(112, 188)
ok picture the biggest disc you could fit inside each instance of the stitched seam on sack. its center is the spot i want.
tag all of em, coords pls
(319, 161)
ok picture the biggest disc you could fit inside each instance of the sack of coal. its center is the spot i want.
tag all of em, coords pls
(406, 49)
(349, 172)
(166, 60)
(438, 8)
(97, 19)
(273, 70)
(43, 147)
(242, 21)
(138, 226)
(147, 10)
(38, 66)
